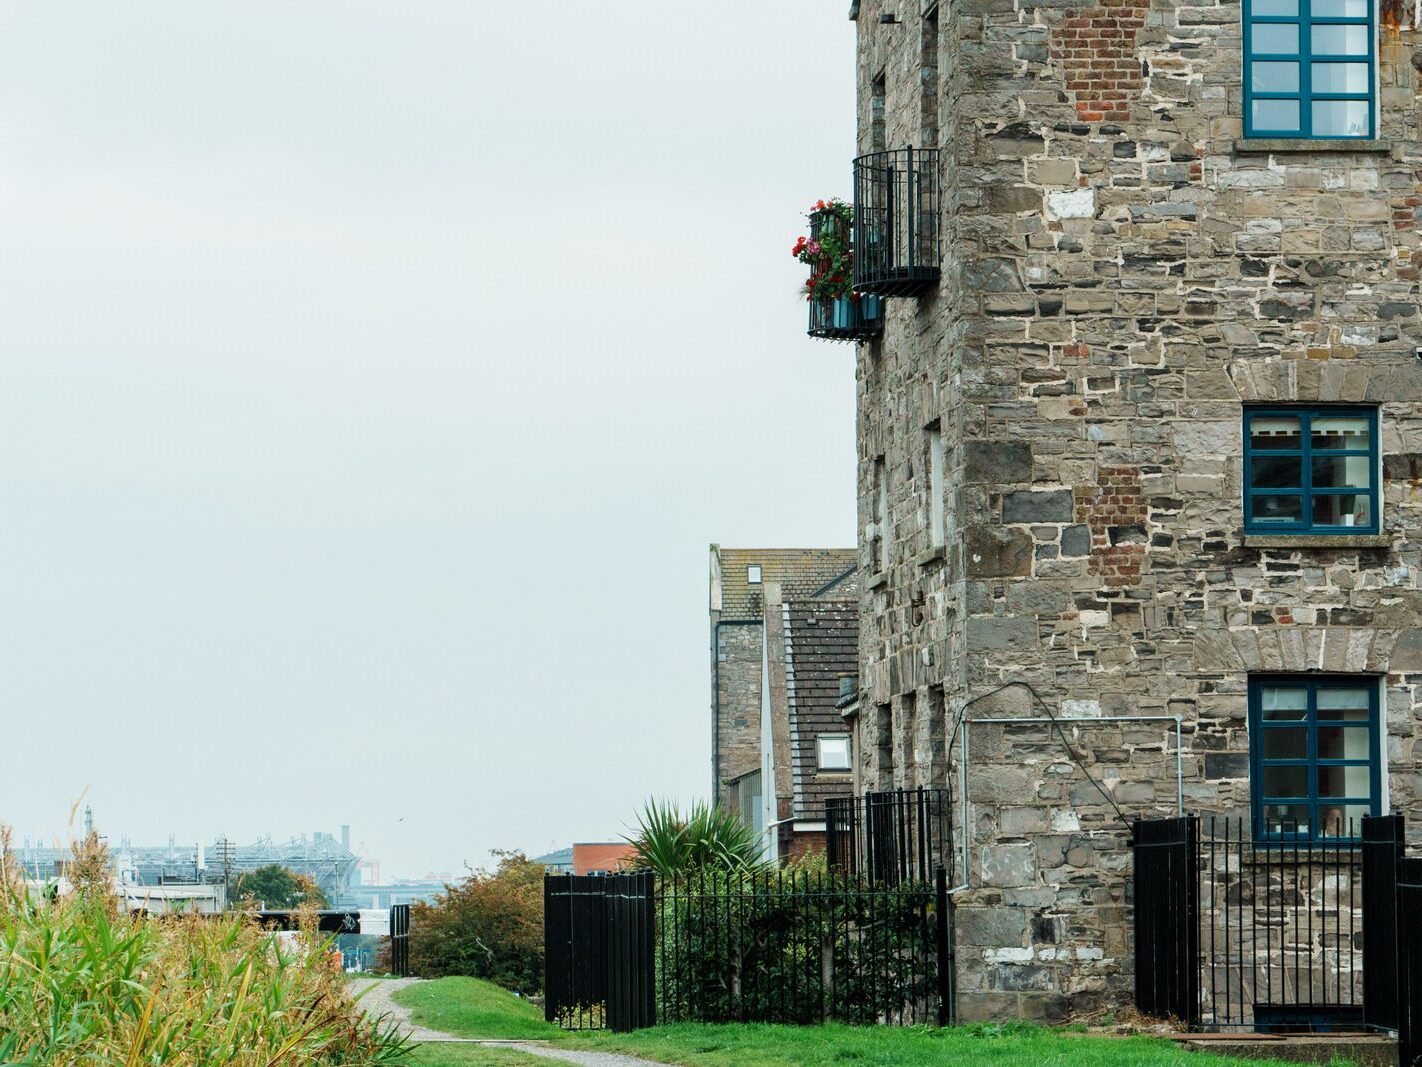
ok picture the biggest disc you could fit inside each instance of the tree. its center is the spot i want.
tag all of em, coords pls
(489, 925)
(278, 888)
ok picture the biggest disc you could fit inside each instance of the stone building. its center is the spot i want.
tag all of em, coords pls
(738, 581)
(1143, 431)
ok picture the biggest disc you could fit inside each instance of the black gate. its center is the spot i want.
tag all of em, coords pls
(1409, 960)
(1167, 910)
(599, 934)
(400, 940)
(1281, 934)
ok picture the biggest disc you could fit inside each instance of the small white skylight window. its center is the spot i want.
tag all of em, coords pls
(753, 574)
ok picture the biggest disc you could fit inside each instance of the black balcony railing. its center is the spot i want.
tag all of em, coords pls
(900, 835)
(896, 209)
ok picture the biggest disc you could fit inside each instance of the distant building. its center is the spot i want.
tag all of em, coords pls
(738, 580)
(806, 747)
(589, 857)
(323, 857)
(557, 862)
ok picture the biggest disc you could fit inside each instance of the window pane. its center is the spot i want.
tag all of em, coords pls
(1340, 118)
(1281, 115)
(1336, 699)
(1271, 433)
(1275, 472)
(1341, 78)
(1285, 781)
(1342, 472)
(1343, 509)
(1285, 819)
(1338, 40)
(1280, 702)
(1344, 782)
(1280, 509)
(834, 754)
(1342, 820)
(1274, 7)
(1340, 432)
(1275, 77)
(1276, 38)
(1287, 742)
(1343, 742)
(1339, 9)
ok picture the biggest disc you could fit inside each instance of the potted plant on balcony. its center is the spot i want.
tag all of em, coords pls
(836, 310)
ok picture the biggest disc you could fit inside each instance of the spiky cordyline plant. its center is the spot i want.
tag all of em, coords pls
(706, 838)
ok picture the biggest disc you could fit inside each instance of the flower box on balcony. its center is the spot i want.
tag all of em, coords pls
(896, 238)
(837, 313)
(847, 318)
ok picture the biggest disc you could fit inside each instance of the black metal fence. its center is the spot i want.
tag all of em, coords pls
(792, 947)
(901, 835)
(598, 938)
(767, 946)
(1409, 959)
(1282, 936)
(400, 940)
(1166, 888)
(1278, 934)
(896, 222)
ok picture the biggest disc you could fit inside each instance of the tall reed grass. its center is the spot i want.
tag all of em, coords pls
(82, 982)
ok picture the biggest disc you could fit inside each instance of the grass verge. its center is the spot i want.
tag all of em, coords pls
(468, 1007)
(470, 1056)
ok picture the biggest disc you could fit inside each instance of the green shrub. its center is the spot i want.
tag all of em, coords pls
(490, 925)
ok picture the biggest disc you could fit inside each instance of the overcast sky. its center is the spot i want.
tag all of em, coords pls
(373, 378)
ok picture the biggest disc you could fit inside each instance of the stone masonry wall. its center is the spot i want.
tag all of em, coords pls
(1121, 274)
(738, 681)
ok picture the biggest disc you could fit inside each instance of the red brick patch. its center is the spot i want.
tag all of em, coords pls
(1097, 48)
(1116, 511)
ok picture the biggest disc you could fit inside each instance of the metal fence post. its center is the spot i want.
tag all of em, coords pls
(1382, 854)
(944, 933)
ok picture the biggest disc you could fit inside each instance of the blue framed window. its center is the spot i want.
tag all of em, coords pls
(1311, 470)
(1310, 68)
(1314, 756)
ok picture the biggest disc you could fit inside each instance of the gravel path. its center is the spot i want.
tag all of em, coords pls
(376, 1000)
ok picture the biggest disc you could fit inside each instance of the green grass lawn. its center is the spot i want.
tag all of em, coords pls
(471, 1056)
(471, 1008)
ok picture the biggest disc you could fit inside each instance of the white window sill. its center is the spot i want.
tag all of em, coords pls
(1339, 540)
(1308, 144)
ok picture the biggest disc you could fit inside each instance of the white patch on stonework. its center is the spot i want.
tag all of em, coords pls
(1091, 620)
(1081, 709)
(1073, 204)
(1008, 955)
(1360, 335)
(1399, 575)
(1065, 822)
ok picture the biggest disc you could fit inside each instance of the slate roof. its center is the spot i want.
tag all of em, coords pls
(821, 645)
(801, 573)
